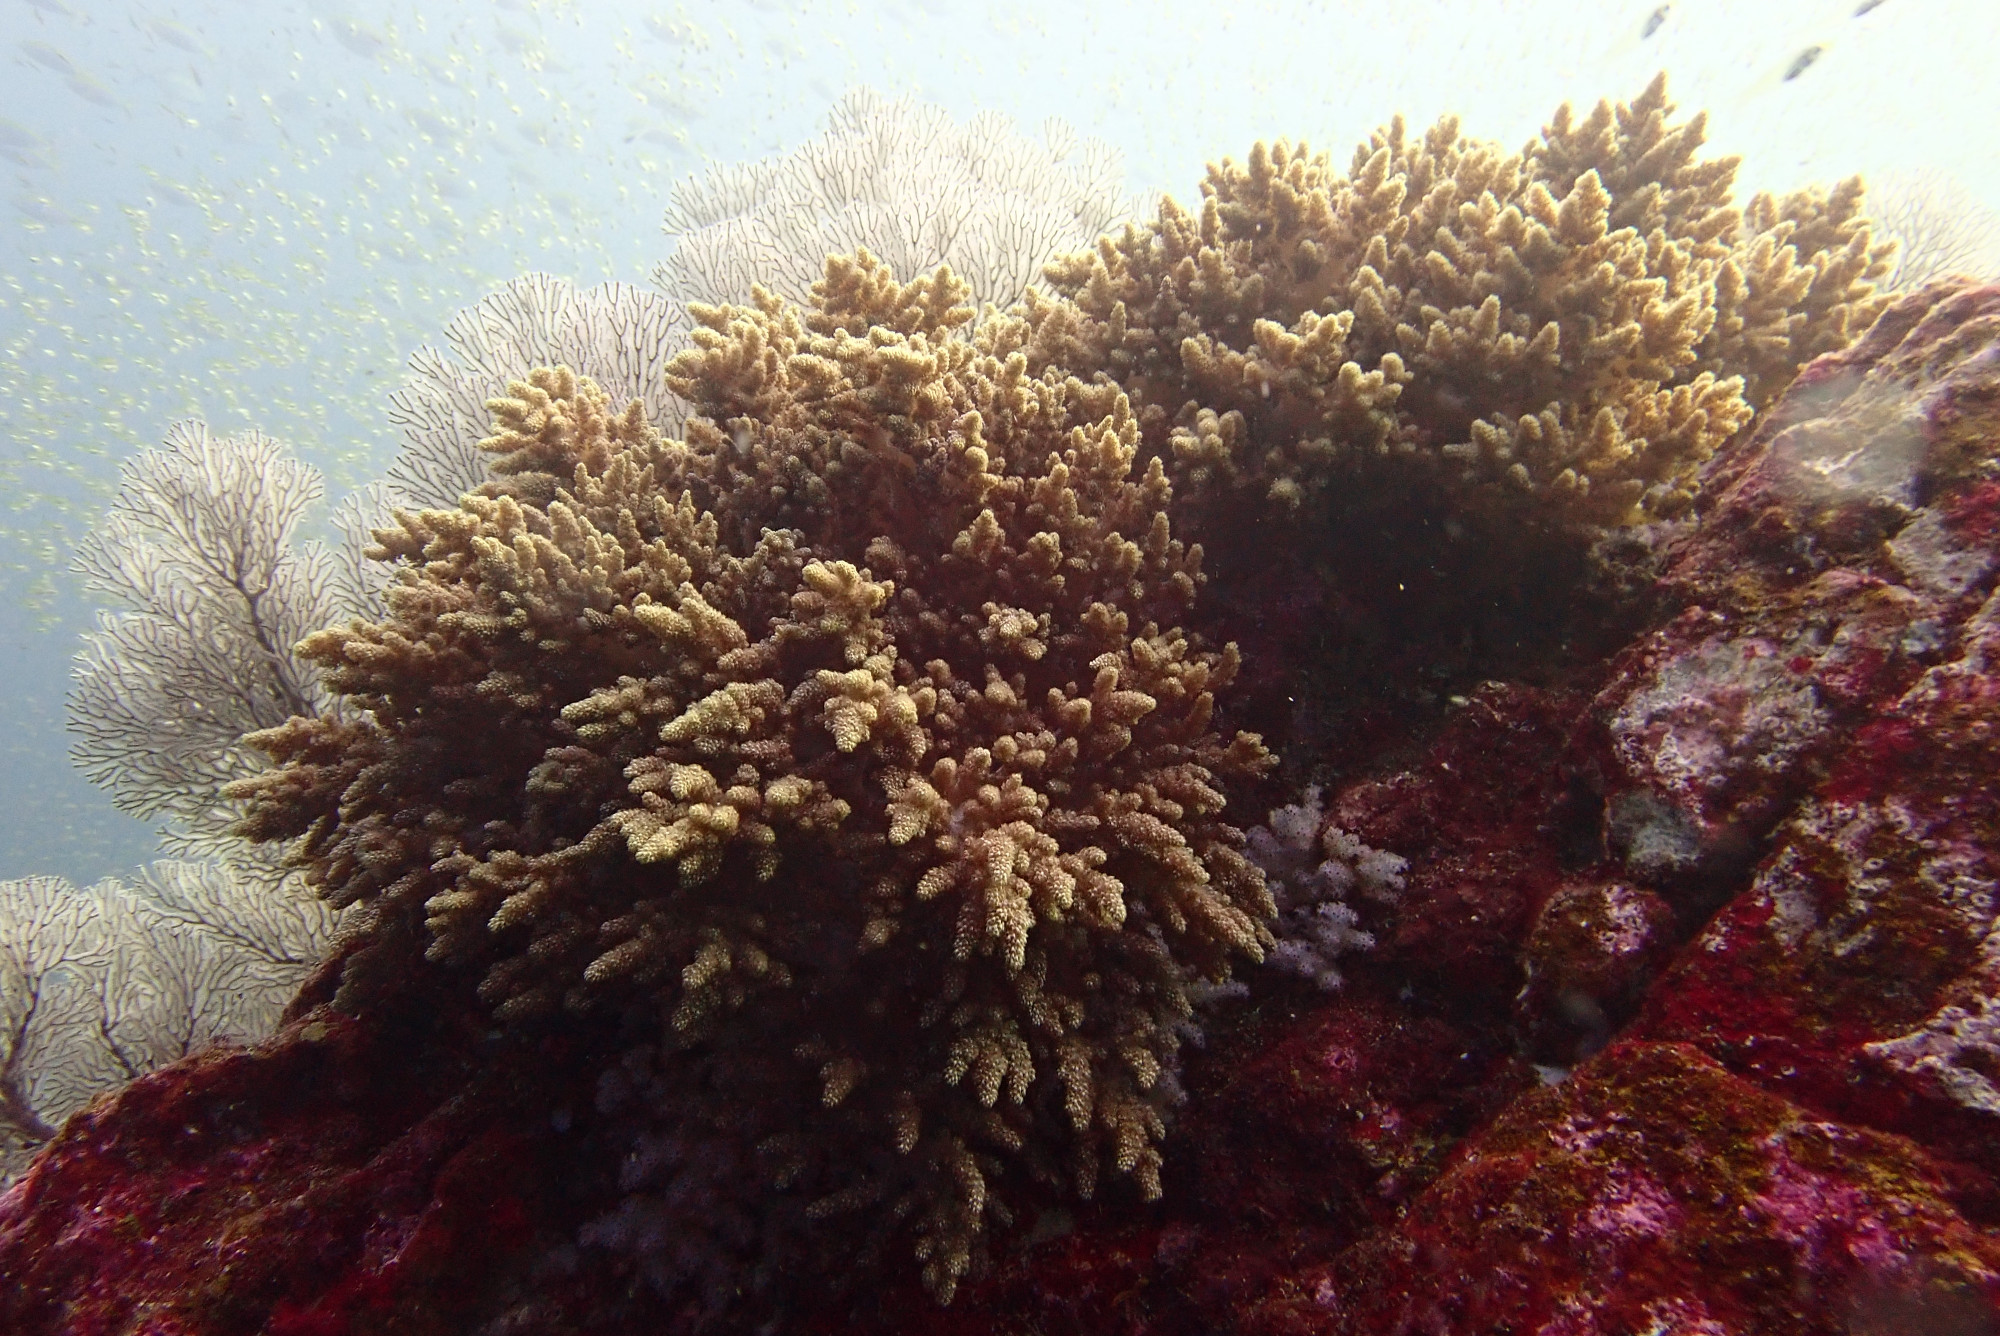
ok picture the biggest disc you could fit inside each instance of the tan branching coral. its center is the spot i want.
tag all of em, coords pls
(856, 757)
(856, 726)
(1582, 322)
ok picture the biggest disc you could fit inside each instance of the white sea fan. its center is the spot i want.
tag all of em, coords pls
(915, 188)
(1939, 226)
(101, 985)
(619, 335)
(209, 595)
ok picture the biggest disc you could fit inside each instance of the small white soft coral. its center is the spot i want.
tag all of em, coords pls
(1316, 924)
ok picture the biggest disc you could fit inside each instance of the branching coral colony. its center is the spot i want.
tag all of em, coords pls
(1580, 323)
(1433, 381)
(858, 727)
(858, 734)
